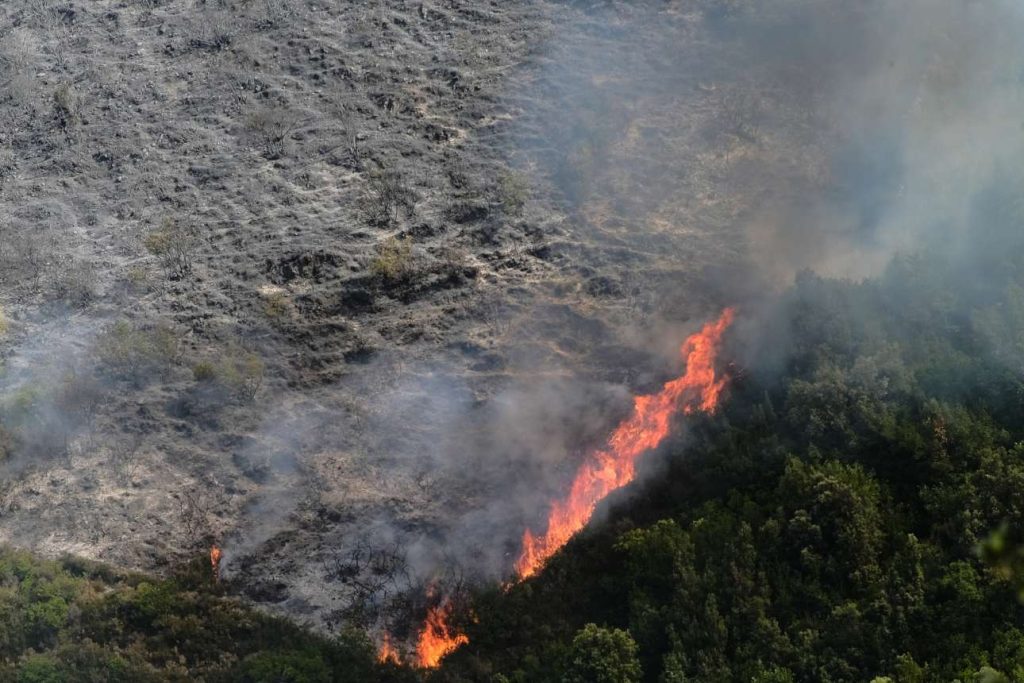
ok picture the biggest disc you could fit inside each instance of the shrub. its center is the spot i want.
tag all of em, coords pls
(270, 128)
(276, 304)
(243, 373)
(240, 372)
(513, 192)
(124, 456)
(215, 31)
(204, 371)
(286, 666)
(175, 245)
(394, 258)
(98, 624)
(275, 12)
(137, 278)
(65, 106)
(130, 353)
(388, 198)
(76, 286)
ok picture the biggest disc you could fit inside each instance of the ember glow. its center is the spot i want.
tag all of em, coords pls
(215, 554)
(437, 639)
(613, 467)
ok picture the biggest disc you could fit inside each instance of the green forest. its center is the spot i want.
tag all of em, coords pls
(73, 620)
(852, 513)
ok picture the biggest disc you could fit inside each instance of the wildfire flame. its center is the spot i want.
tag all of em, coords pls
(437, 639)
(613, 467)
(215, 554)
(602, 472)
(387, 652)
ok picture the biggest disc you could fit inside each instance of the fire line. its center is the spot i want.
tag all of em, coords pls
(603, 471)
(614, 466)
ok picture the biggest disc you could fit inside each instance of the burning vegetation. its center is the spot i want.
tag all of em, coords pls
(215, 555)
(614, 466)
(437, 638)
(387, 654)
(602, 472)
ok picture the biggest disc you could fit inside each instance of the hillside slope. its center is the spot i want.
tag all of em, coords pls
(853, 513)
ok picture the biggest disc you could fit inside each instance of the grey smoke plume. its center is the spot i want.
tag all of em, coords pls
(912, 110)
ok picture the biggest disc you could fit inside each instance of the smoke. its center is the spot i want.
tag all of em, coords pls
(488, 466)
(707, 153)
(912, 111)
(758, 139)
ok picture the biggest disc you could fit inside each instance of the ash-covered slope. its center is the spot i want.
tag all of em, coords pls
(216, 212)
(348, 288)
(262, 260)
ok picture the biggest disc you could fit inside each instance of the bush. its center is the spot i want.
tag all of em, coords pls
(394, 258)
(80, 621)
(133, 354)
(204, 371)
(285, 667)
(137, 278)
(240, 372)
(243, 373)
(513, 192)
(388, 198)
(175, 245)
(65, 106)
(276, 305)
(76, 286)
(269, 129)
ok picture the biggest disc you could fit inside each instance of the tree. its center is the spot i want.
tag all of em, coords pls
(601, 655)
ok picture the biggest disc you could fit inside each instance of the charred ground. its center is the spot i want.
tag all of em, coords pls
(261, 261)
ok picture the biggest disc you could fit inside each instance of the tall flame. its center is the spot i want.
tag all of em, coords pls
(613, 467)
(437, 638)
(215, 554)
(387, 652)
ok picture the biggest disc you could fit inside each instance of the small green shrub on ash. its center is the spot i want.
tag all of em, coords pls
(65, 107)
(394, 258)
(240, 372)
(137, 278)
(513, 192)
(204, 371)
(276, 305)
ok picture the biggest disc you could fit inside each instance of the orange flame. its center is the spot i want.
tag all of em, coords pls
(613, 467)
(388, 653)
(437, 639)
(215, 554)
